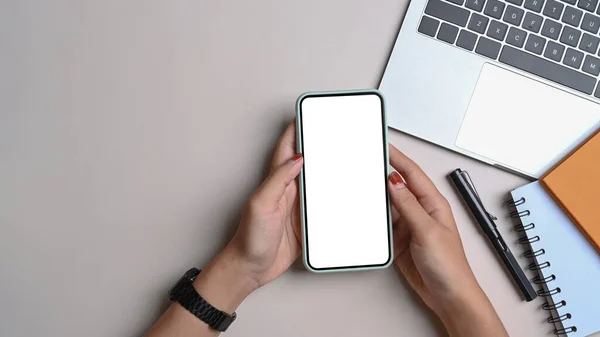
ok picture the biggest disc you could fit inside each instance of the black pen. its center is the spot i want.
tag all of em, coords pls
(467, 191)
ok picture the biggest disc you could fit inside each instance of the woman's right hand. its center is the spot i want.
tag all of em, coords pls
(429, 253)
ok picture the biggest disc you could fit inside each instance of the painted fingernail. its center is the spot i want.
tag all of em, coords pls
(296, 157)
(396, 180)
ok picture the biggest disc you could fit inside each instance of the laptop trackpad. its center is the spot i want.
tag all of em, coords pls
(524, 124)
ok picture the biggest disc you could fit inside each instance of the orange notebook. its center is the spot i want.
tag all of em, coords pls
(575, 185)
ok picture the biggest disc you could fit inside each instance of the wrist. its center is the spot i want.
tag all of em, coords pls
(461, 302)
(461, 291)
(224, 283)
(470, 313)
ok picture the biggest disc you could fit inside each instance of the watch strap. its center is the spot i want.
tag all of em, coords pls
(186, 295)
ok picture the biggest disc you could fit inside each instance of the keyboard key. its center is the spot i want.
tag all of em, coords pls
(573, 58)
(516, 37)
(476, 5)
(534, 5)
(458, 2)
(497, 30)
(447, 33)
(597, 93)
(588, 5)
(516, 2)
(535, 44)
(591, 65)
(590, 23)
(551, 29)
(570, 2)
(548, 70)
(428, 26)
(478, 23)
(494, 8)
(513, 15)
(572, 16)
(532, 22)
(553, 9)
(466, 40)
(554, 51)
(589, 43)
(447, 12)
(570, 36)
(488, 48)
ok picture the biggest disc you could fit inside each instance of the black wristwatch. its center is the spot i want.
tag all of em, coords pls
(185, 293)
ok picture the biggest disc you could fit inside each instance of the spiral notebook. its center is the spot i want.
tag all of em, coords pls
(568, 265)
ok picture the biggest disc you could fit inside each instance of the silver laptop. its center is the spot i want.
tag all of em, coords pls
(512, 83)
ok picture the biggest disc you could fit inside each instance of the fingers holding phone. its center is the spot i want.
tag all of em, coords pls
(429, 250)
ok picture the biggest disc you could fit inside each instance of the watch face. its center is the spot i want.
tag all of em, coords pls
(188, 277)
(191, 274)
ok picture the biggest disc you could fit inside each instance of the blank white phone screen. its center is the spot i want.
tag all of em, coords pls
(345, 177)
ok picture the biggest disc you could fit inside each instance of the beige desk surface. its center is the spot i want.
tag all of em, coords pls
(133, 131)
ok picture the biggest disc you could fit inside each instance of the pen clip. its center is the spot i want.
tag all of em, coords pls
(470, 182)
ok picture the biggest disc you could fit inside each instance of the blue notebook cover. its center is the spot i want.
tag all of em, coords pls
(568, 255)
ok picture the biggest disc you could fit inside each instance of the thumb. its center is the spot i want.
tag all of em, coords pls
(410, 210)
(273, 188)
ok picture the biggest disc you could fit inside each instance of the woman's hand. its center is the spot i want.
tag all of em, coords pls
(429, 253)
(266, 244)
(268, 239)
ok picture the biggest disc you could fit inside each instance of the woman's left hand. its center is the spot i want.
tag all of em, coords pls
(268, 239)
(266, 244)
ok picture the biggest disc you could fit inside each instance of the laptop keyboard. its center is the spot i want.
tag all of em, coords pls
(556, 40)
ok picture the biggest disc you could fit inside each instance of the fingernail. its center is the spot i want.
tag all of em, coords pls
(296, 157)
(396, 180)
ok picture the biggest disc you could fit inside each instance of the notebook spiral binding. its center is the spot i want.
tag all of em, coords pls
(525, 227)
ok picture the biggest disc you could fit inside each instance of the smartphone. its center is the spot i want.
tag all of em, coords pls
(345, 207)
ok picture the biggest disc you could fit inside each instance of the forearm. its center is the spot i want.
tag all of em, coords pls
(222, 284)
(472, 315)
